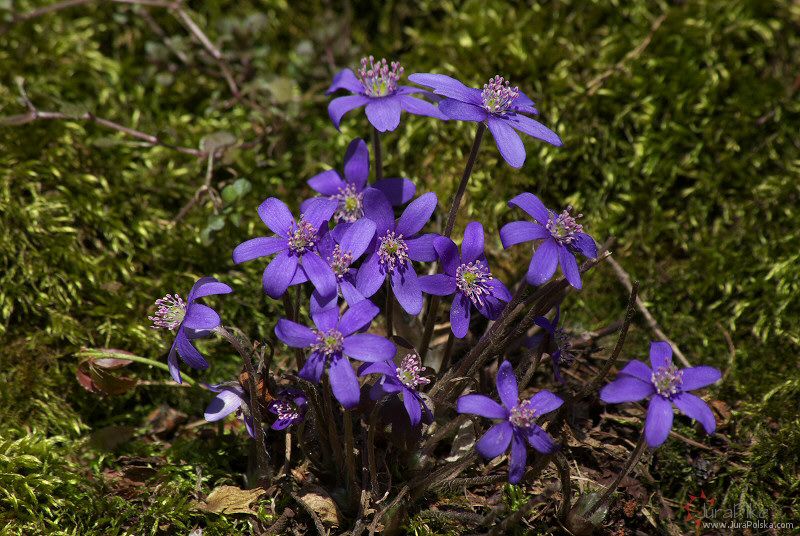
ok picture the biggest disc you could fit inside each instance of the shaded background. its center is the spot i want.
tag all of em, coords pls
(679, 123)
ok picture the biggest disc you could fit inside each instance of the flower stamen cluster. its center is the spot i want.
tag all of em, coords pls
(408, 372)
(472, 279)
(498, 95)
(351, 206)
(340, 261)
(522, 415)
(303, 237)
(171, 312)
(392, 251)
(564, 227)
(328, 343)
(379, 79)
(286, 409)
(667, 380)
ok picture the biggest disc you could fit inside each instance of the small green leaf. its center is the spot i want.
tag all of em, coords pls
(216, 222)
(229, 194)
(216, 141)
(242, 187)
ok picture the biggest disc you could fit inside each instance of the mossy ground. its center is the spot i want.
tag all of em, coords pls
(680, 125)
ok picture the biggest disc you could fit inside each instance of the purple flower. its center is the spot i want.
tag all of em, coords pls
(193, 320)
(404, 380)
(395, 247)
(289, 406)
(498, 104)
(340, 256)
(231, 397)
(297, 261)
(669, 385)
(332, 341)
(558, 339)
(519, 421)
(349, 191)
(467, 276)
(562, 236)
(375, 86)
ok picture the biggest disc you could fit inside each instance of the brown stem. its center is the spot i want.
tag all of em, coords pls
(606, 496)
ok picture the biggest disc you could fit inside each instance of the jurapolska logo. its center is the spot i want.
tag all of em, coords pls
(691, 509)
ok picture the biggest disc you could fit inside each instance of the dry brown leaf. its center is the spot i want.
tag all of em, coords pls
(231, 500)
(320, 502)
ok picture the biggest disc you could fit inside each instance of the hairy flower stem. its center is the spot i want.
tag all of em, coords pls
(448, 349)
(376, 145)
(262, 459)
(333, 437)
(316, 413)
(350, 457)
(389, 309)
(523, 383)
(566, 487)
(433, 308)
(373, 425)
(299, 359)
(607, 494)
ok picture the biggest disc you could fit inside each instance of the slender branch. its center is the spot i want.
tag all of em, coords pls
(566, 487)
(17, 19)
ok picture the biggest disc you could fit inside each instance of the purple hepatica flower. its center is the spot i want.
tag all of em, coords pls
(395, 248)
(193, 320)
(375, 86)
(231, 397)
(295, 242)
(340, 257)
(498, 104)
(468, 277)
(562, 236)
(519, 421)
(289, 406)
(332, 341)
(403, 379)
(558, 338)
(669, 385)
(349, 191)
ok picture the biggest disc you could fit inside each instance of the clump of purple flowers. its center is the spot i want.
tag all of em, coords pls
(668, 386)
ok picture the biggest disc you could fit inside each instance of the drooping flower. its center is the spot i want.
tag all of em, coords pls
(341, 255)
(519, 418)
(667, 385)
(468, 277)
(404, 380)
(562, 235)
(231, 397)
(297, 260)
(498, 104)
(192, 320)
(289, 406)
(558, 339)
(348, 191)
(375, 85)
(396, 245)
(333, 340)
